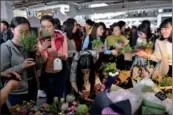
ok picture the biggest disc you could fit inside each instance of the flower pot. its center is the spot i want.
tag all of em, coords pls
(111, 79)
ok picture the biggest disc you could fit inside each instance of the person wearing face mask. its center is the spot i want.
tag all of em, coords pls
(14, 58)
(96, 33)
(51, 48)
(162, 53)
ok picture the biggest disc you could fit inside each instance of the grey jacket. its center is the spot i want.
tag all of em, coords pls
(75, 62)
(12, 59)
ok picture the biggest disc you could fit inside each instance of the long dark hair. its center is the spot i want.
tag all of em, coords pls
(146, 30)
(164, 24)
(68, 28)
(85, 62)
(93, 34)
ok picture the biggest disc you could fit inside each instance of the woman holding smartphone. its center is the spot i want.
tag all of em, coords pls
(50, 49)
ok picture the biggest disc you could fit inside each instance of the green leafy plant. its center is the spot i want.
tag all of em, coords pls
(149, 45)
(166, 81)
(111, 67)
(29, 43)
(126, 49)
(119, 40)
(82, 109)
(96, 44)
(144, 46)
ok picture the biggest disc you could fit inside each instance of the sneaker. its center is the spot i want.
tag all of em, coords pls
(41, 94)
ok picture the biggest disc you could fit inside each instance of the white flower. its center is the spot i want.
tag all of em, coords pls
(62, 100)
(113, 74)
(64, 106)
(70, 98)
(55, 99)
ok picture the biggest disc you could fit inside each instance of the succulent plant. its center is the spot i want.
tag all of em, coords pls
(111, 67)
(82, 109)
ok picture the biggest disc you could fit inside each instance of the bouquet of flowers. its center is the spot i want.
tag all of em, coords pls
(96, 44)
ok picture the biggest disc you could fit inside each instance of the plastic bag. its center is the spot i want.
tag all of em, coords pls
(120, 95)
(167, 103)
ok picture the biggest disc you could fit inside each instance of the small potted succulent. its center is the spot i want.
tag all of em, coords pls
(112, 72)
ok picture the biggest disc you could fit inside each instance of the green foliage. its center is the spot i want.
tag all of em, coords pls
(126, 49)
(149, 45)
(119, 40)
(144, 46)
(96, 44)
(166, 81)
(111, 67)
(29, 43)
(82, 109)
(169, 95)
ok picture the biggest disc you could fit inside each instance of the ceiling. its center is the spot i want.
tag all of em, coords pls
(21, 4)
(82, 6)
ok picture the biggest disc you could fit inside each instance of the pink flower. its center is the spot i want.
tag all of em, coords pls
(70, 113)
(69, 109)
(109, 111)
(74, 103)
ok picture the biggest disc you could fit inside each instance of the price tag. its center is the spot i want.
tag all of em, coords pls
(161, 96)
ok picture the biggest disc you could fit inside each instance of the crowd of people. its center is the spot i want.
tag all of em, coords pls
(72, 44)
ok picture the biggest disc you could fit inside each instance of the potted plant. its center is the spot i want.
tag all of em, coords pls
(29, 44)
(112, 72)
(96, 44)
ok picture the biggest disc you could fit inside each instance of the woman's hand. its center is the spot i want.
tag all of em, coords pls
(141, 53)
(114, 52)
(12, 84)
(45, 45)
(28, 63)
(10, 75)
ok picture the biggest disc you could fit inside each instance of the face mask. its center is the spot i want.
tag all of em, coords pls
(139, 41)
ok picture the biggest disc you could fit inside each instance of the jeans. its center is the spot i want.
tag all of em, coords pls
(17, 99)
(55, 86)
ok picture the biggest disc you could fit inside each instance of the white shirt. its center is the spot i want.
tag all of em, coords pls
(169, 50)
